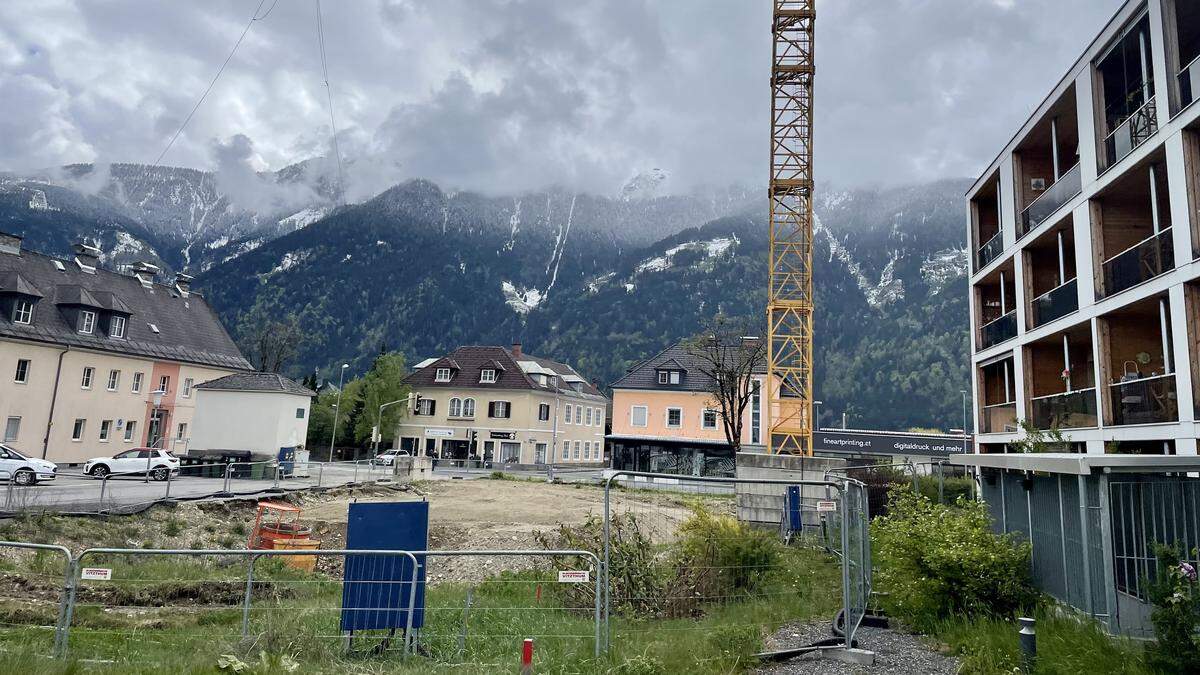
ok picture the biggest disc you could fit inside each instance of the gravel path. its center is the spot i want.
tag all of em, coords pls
(895, 652)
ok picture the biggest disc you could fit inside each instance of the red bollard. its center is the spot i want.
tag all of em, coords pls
(527, 657)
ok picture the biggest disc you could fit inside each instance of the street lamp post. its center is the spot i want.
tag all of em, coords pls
(337, 408)
(157, 416)
(379, 420)
(817, 414)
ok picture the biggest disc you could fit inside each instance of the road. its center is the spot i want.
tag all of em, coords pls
(76, 493)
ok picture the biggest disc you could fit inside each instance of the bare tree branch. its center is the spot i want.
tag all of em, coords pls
(729, 353)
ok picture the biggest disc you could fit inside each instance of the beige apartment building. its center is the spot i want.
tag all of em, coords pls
(93, 362)
(494, 404)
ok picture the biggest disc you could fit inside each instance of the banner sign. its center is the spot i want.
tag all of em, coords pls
(884, 443)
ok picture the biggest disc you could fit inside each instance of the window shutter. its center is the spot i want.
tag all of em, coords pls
(432, 406)
(491, 408)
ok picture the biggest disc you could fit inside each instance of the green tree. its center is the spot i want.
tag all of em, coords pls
(384, 383)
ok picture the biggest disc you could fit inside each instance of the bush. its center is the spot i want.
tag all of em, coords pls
(953, 487)
(1175, 594)
(936, 561)
(724, 554)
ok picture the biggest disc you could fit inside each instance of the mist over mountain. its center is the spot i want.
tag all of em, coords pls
(598, 281)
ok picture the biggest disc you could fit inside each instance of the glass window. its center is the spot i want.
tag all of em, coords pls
(566, 450)
(87, 322)
(12, 429)
(299, 413)
(164, 384)
(187, 387)
(579, 414)
(487, 375)
(755, 413)
(569, 415)
(130, 430)
(468, 407)
(442, 375)
(114, 379)
(588, 418)
(456, 407)
(577, 449)
(116, 327)
(500, 409)
(638, 415)
(105, 430)
(663, 377)
(674, 377)
(674, 417)
(23, 312)
(710, 419)
(137, 383)
(599, 417)
(77, 430)
(426, 406)
(181, 431)
(22, 375)
(88, 374)
(544, 412)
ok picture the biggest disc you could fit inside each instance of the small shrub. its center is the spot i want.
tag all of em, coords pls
(725, 553)
(737, 646)
(1175, 594)
(936, 561)
(238, 529)
(953, 487)
(172, 528)
(227, 541)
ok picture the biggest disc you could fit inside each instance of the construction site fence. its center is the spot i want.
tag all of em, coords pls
(147, 606)
(828, 515)
(133, 491)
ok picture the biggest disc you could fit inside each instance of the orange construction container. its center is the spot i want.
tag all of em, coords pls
(308, 563)
(278, 527)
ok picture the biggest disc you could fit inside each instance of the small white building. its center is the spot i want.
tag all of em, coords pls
(259, 412)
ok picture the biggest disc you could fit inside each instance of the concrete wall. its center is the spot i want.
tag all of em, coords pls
(261, 422)
(764, 504)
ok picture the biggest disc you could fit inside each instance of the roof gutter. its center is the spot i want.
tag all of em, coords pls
(53, 401)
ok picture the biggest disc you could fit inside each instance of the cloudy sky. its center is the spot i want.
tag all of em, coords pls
(502, 95)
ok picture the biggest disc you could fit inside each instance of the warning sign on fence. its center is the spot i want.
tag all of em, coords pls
(573, 576)
(826, 506)
(95, 574)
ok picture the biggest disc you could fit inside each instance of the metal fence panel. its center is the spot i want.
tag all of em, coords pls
(35, 594)
(1047, 536)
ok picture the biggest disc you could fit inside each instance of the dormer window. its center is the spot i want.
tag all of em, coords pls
(487, 375)
(116, 327)
(87, 322)
(442, 375)
(668, 377)
(23, 312)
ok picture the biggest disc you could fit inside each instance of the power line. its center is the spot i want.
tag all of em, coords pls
(253, 17)
(329, 97)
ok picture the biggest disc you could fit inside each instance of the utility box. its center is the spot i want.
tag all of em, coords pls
(376, 588)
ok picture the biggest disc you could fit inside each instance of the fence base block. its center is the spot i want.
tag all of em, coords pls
(859, 657)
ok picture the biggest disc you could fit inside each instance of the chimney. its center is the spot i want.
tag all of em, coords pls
(87, 257)
(145, 273)
(183, 284)
(516, 350)
(10, 243)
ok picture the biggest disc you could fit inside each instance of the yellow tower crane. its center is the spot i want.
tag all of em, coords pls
(790, 301)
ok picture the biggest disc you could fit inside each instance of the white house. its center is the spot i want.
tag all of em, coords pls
(259, 412)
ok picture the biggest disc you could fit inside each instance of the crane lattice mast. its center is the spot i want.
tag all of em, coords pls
(790, 301)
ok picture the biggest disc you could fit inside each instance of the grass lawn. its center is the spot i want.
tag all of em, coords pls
(177, 615)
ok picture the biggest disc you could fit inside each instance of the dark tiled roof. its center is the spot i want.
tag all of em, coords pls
(644, 375)
(270, 382)
(189, 330)
(469, 361)
(12, 282)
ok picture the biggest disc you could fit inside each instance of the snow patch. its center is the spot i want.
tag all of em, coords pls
(38, 202)
(302, 218)
(643, 185)
(711, 248)
(888, 290)
(521, 300)
(940, 268)
(217, 243)
(594, 285)
(290, 260)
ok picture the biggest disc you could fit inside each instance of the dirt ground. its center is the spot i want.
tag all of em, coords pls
(464, 514)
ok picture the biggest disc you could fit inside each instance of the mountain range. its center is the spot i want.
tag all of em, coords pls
(598, 281)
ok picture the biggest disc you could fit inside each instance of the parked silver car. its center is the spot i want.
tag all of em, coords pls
(23, 470)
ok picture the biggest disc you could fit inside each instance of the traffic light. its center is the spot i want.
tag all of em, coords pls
(416, 403)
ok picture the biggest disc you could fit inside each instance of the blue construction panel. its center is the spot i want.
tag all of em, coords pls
(376, 588)
(795, 517)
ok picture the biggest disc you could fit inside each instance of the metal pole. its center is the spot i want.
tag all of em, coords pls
(355, 471)
(228, 473)
(167, 494)
(337, 408)
(1085, 523)
(941, 482)
(73, 584)
(320, 472)
(103, 487)
(249, 592)
(846, 566)
(278, 468)
(597, 615)
(1054, 145)
(607, 585)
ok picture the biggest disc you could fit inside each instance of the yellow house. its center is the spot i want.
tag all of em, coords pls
(664, 419)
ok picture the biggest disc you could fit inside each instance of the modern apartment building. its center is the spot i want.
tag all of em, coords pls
(666, 421)
(93, 362)
(494, 404)
(1085, 234)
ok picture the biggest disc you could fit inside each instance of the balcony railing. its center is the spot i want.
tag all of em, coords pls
(1189, 83)
(1055, 303)
(1149, 400)
(1064, 190)
(1132, 132)
(1070, 410)
(1000, 418)
(1140, 263)
(995, 332)
(990, 250)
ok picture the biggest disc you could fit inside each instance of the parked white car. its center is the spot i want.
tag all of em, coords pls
(388, 457)
(136, 461)
(23, 470)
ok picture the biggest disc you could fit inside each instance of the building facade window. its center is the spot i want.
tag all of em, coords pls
(426, 407)
(674, 418)
(23, 312)
(599, 417)
(89, 373)
(116, 327)
(499, 409)
(12, 429)
(510, 453)
(568, 413)
(566, 452)
(105, 430)
(588, 417)
(577, 449)
(181, 431)
(638, 416)
(710, 419)
(22, 374)
(114, 379)
(579, 415)
(77, 430)
(130, 430)
(136, 387)
(164, 384)
(87, 322)
(468, 407)
(442, 375)
(455, 407)
(663, 377)
(299, 413)
(187, 387)
(544, 412)
(756, 413)
(487, 375)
